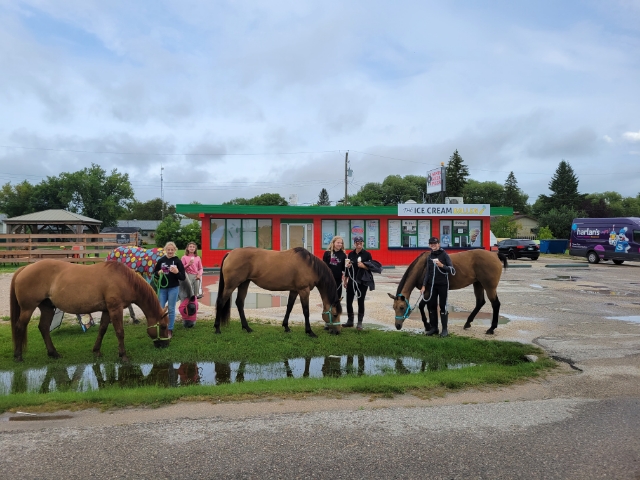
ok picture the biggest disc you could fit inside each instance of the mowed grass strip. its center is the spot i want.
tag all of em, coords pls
(496, 363)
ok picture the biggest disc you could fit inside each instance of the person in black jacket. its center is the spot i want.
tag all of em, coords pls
(335, 257)
(169, 271)
(357, 259)
(435, 286)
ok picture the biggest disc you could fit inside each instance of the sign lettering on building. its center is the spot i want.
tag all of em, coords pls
(446, 210)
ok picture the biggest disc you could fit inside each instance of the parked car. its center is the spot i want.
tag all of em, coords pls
(515, 248)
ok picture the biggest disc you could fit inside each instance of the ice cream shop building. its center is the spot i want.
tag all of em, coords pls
(394, 235)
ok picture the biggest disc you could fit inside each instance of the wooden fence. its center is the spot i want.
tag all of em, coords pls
(89, 248)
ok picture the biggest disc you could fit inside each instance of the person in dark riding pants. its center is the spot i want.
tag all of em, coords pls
(356, 260)
(435, 286)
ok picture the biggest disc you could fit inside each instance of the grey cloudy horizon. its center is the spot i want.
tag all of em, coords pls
(235, 99)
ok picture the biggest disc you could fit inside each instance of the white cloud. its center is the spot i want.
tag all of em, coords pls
(632, 136)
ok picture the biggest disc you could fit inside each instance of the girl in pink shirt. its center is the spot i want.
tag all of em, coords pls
(193, 268)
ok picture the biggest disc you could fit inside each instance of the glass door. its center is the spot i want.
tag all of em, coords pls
(294, 235)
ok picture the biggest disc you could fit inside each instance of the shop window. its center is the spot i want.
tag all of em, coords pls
(409, 233)
(230, 233)
(349, 229)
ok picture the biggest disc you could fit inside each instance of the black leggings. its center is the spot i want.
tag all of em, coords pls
(439, 292)
(351, 295)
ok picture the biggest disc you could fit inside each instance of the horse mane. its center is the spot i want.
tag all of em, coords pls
(143, 290)
(325, 277)
(403, 280)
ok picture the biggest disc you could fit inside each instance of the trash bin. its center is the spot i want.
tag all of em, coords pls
(554, 246)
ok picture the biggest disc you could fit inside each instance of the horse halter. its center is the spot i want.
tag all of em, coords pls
(409, 309)
(330, 322)
(158, 337)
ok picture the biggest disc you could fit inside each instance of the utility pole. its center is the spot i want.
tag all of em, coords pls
(346, 172)
(161, 194)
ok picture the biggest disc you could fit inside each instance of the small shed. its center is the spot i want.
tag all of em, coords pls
(52, 221)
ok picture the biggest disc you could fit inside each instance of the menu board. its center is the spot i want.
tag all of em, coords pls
(424, 231)
(395, 237)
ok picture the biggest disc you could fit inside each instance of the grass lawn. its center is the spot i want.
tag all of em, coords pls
(495, 363)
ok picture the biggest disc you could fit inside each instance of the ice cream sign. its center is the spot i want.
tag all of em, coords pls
(447, 210)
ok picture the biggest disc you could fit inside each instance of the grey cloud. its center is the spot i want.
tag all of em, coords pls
(579, 142)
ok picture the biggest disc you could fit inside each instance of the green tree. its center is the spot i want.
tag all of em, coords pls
(514, 196)
(323, 197)
(419, 184)
(564, 188)
(154, 209)
(457, 173)
(16, 200)
(559, 220)
(168, 230)
(189, 233)
(369, 194)
(483, 192)
(263, 199)
(544, 233)
(504, 227)
(396, 189)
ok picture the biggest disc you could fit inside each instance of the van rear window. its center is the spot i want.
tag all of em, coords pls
(636, 236)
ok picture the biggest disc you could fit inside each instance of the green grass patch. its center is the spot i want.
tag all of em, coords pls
(496, 363)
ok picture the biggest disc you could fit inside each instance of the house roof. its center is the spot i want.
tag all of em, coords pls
(52, 217)
(518, 217)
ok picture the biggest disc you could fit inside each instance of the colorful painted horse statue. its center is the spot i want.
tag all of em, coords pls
(141, 260)
(479, 267)
(107, 287)
(297, 271)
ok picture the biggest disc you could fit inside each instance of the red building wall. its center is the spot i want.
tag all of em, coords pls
(385, 255)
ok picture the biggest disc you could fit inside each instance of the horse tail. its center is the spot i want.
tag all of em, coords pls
(14, 309)
(223, 311)
(503, 257)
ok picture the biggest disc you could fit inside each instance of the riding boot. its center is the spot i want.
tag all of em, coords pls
(444, 318)
(349, 320)
(433, 320)
(360, 319)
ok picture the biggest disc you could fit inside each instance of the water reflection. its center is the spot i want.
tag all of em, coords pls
(81, 378)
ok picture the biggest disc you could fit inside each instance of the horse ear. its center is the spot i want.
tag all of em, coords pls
(392, 296)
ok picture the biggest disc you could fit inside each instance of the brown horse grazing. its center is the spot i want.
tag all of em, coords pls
(478, 267)
(107, 287)
(296, 270)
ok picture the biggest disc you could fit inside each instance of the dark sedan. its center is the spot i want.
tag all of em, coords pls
(515, 248)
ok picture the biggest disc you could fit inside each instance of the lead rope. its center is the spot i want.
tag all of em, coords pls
(356, 288)
(433, 278)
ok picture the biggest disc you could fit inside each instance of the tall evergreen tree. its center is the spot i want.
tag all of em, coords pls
(457, 173)
(514, 196)
(564, 188)
(323, 197)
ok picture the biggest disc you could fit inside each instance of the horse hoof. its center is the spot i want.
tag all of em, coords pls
(467, 326)
(248, 330)
(287, 330)
(18, 359)
(136, 322)
(311, 334)
(54, 355)
(490, 331)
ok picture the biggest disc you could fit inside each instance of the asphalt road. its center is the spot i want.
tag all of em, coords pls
(583, 422)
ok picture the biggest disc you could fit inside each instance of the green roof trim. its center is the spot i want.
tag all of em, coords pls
(329, 211)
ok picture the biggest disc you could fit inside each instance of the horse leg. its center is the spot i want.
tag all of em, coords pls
(304, 300)
(425, 322)
(104, 324)
(242, 294)
(132, 314)
(118, 325)
(478, 290)
(495, 303)
(292, 299)
(19, 331)
(46, 316)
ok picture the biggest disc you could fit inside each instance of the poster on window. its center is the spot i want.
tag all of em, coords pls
(394, 233)
(424, 232)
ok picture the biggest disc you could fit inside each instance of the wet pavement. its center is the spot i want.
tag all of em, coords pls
(581, 421)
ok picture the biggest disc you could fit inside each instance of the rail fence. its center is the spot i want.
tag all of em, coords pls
(70, 247)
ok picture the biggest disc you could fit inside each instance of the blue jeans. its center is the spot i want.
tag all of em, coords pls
(169, 295)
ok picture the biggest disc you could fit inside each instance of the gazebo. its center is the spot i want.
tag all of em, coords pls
(52, 221)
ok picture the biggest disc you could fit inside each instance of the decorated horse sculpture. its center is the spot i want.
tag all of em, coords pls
(296, 270)
(479, 267)
(107, 287)
(140, 260)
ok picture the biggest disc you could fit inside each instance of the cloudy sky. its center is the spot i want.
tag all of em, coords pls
(239, 98)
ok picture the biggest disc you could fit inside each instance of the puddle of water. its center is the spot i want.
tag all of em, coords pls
(602, 291)
(535, 285)
(251, 301)
(517, 317)
(563, 278)
(89, 377)
(460, 317)
(628, 318)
